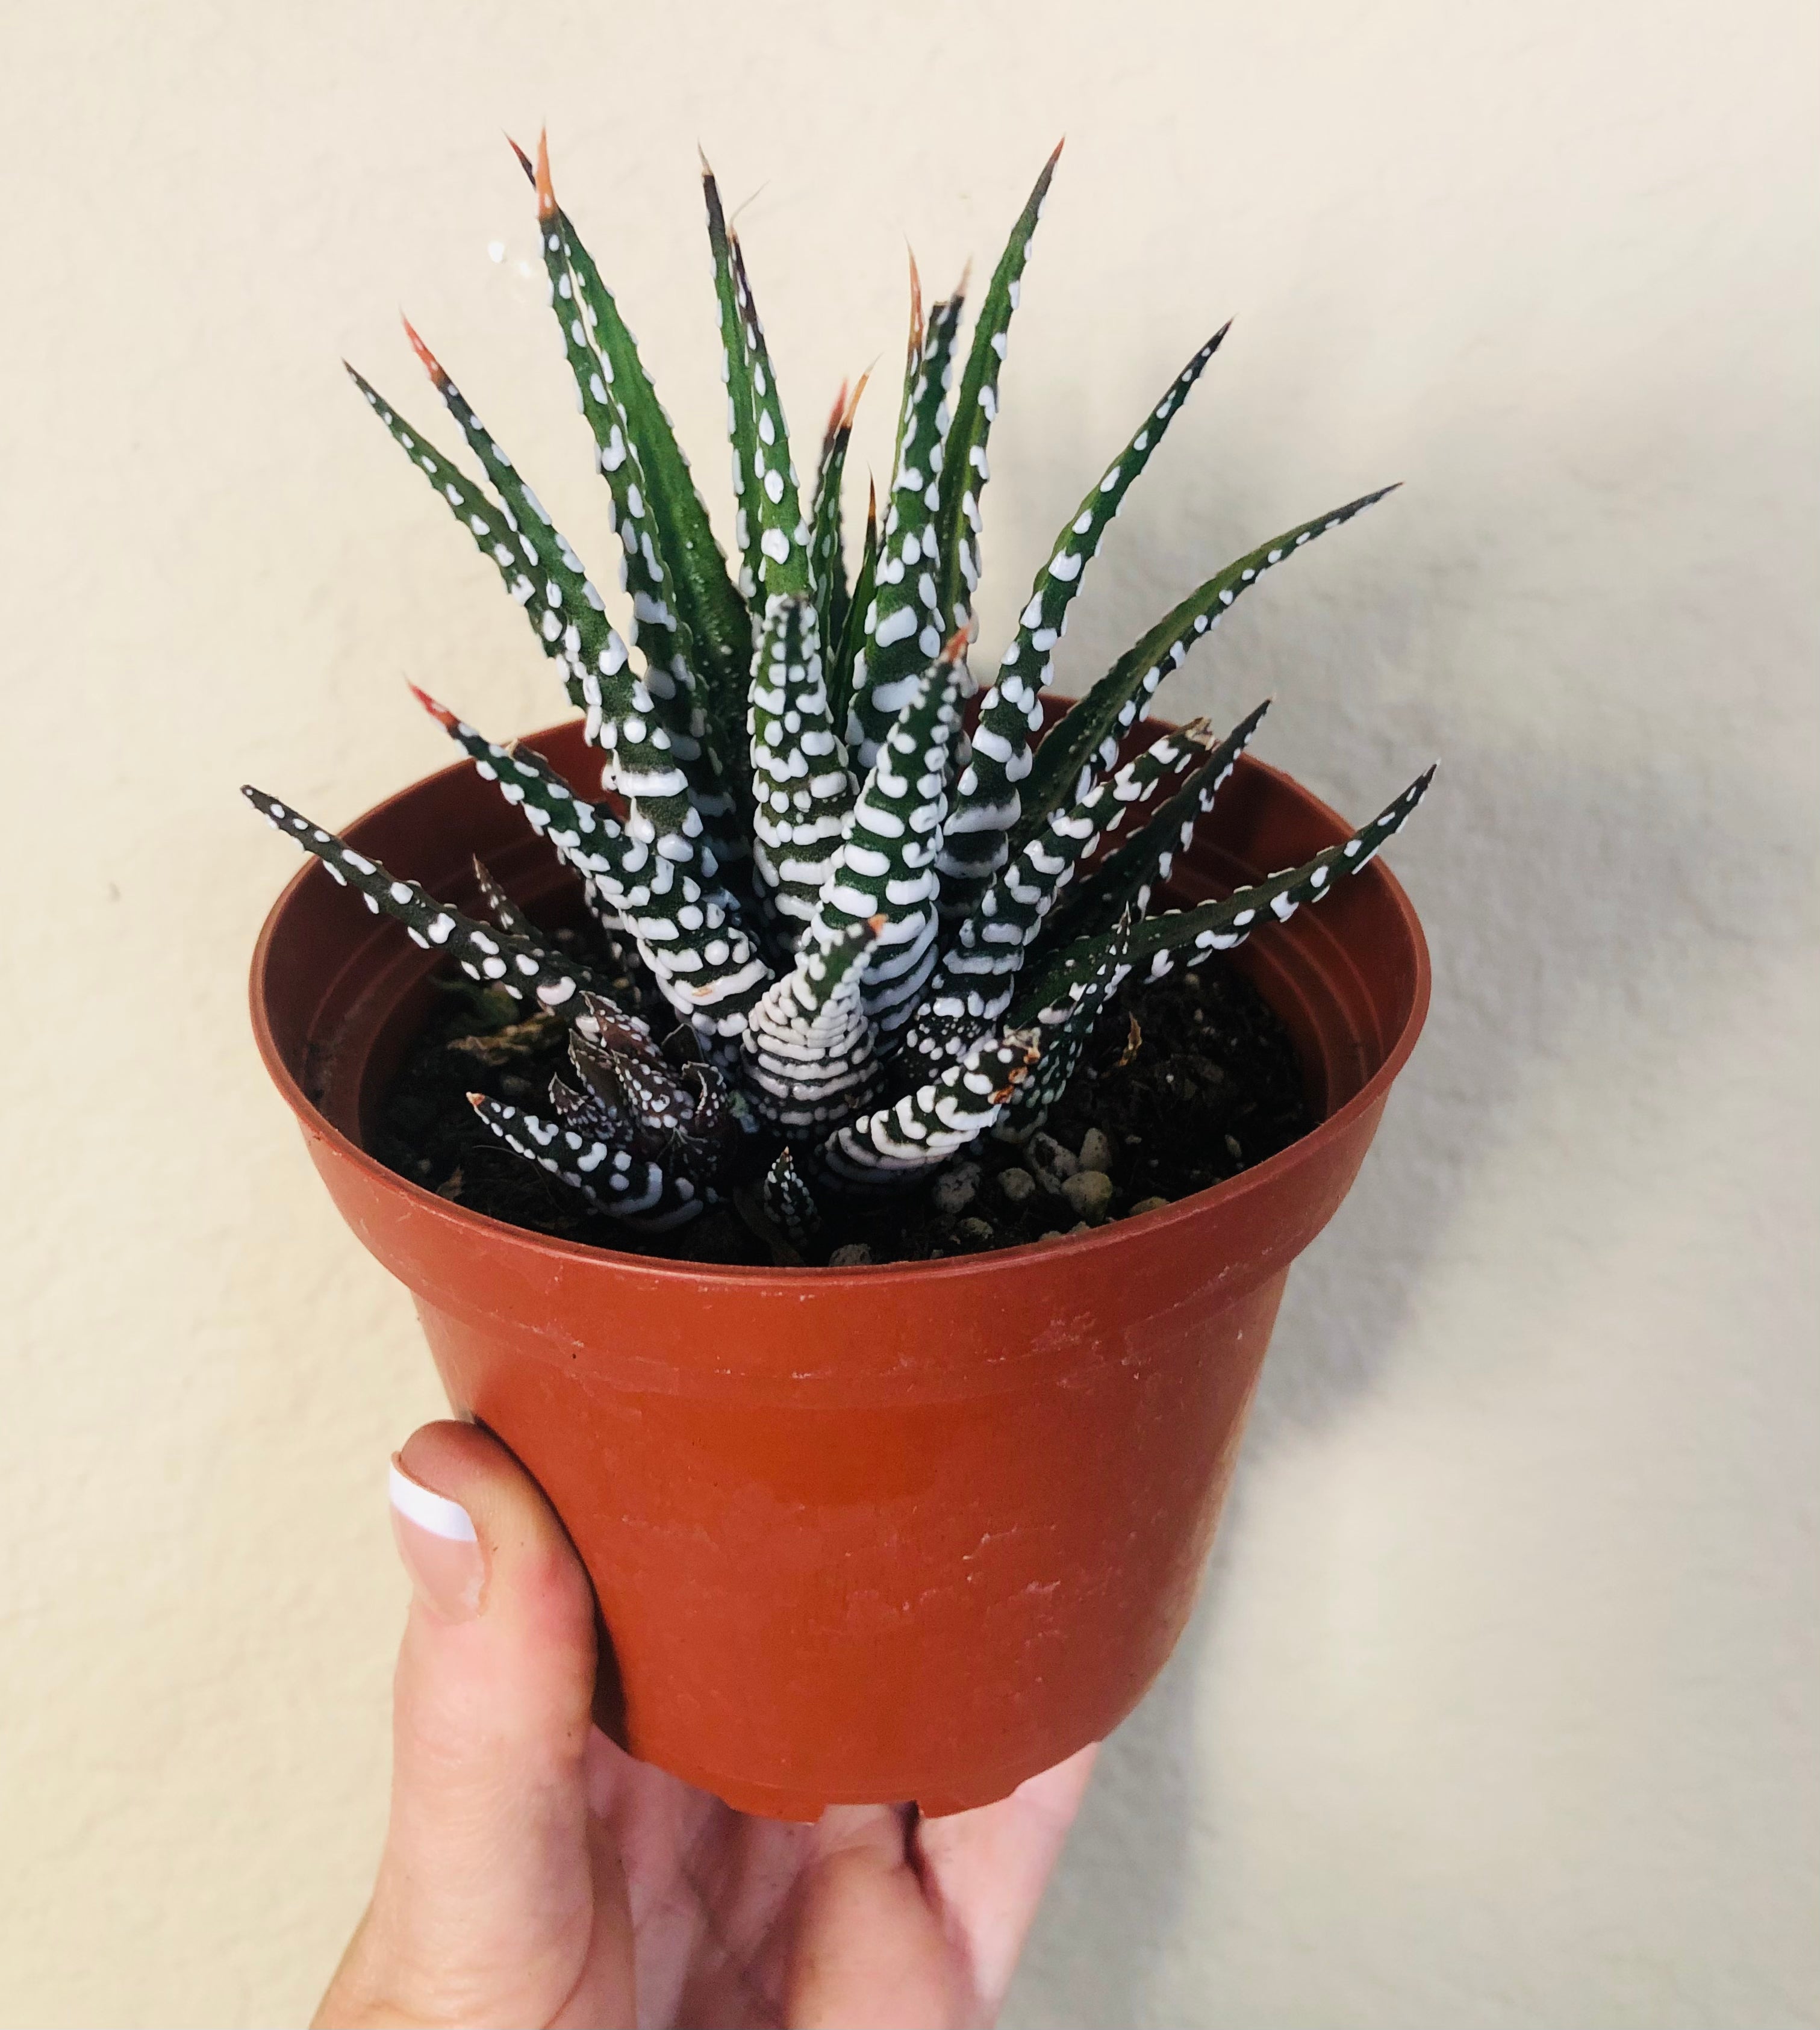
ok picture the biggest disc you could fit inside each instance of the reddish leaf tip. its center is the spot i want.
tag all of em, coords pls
(916, 322)
(524, 161)
(546, 196)
(438, 711)
(432, 366)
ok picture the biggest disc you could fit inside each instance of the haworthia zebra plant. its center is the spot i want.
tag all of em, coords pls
(866, 920)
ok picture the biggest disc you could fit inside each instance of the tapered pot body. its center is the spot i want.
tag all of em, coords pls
(893, 1533)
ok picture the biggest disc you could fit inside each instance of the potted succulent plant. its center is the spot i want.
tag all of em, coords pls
(836, 937)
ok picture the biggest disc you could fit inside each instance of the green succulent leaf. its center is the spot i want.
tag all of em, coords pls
(1086, 739)
(742, 399)
(975, 981)
(615, 389)
(587, 836)
(1065, 1027)
(497, 536)
(1183, 937)
(788, 1202)
(493, 957)
(904, 625)
(803, 794)
(964, 468)
(885, 865)
(810, 1048)
(826, 554)
(1124, 881)
(915, 1135)
(500, 906)
(659, 884)
(773, 535)
(844, 656)
(640, 1192)
(564, 604)
(988, 802)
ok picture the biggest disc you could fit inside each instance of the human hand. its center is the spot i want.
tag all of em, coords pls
(534, 1874)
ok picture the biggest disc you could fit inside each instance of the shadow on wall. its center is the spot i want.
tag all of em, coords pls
(1556, 892)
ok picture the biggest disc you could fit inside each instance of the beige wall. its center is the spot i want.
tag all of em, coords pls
(1500, 1707)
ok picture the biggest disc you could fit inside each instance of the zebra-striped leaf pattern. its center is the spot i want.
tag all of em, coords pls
(1087, 740)
(904, 624)
(885, 933)
(964, 471)
(1125, 880)
(988, 805)
(488, 955)
(802, 793)
(974, 982)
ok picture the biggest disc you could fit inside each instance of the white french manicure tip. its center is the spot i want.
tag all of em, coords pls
(428, 1511)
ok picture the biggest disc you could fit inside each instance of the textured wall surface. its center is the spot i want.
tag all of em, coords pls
(1500, 1705)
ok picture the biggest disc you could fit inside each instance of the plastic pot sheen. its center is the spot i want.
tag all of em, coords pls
(893, 1533)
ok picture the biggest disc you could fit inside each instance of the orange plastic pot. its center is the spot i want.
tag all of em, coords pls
(877, 1534)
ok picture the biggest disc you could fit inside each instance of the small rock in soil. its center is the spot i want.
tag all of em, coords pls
(1089, 1192)
(856, 1254)
(1016, 1184)
(1050, 1163)
(1149, 1204)
(952, 1191)
(975, 1233)
(1096, 1150)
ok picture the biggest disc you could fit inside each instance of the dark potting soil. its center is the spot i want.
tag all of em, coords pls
(1187, 1080)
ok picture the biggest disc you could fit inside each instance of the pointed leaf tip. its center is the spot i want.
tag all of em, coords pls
(852, 400)
(439, 712)
(432, 366)
(835, 414)
(546, 196)
(524, 161)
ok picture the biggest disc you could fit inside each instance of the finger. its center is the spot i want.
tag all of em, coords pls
(486, 1906)
(985, 1872)
(867, 1952)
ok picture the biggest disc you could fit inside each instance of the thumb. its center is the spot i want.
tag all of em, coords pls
(497, 1899)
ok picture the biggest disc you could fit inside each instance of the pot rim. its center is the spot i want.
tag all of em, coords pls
(778, 1281)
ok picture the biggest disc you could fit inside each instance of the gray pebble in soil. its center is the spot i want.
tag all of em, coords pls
(1096, 1150)
(1089, 1192)
(855, 1254)
(1149, 1204)
(1016, 1185)
(1050, 1163)
(952, 1191)
(975, 1233)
